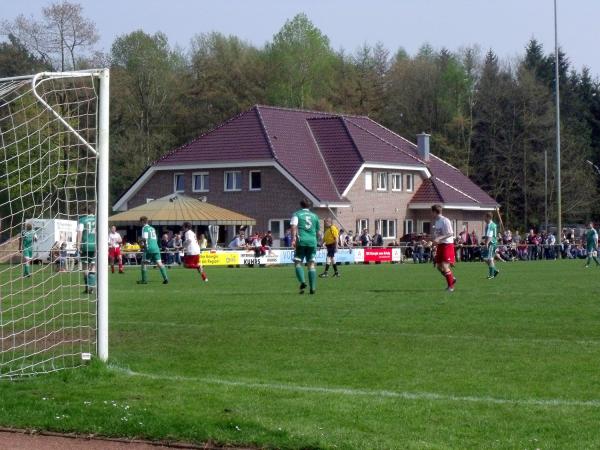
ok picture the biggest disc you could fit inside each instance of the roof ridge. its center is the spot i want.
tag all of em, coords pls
(391, 131)
(310, 131)
(388, 143)
(353, 143)
(445, 162)
(263, 127)
(456, 189)
(286, 108)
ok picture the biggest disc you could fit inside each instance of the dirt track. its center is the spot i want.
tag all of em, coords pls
(17, 440)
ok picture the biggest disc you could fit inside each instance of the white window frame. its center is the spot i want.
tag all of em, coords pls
(175, 175)
(423, 222)
(361, 224)
(396, 176)
(412, 226)
(250, 188)
(382, 176)
(204, 188)
(234, 189)
(379, 226)
(411, 177)
(368, 180)
(282, 228)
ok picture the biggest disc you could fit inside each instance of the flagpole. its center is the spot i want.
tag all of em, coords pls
(558, 183)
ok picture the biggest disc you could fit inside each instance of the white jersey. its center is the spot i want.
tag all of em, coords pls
(190, 243)
(441, 227)
(114, 240)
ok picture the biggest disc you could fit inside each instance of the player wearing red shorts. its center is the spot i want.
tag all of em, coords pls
(114, 249)
(443, 236)
(191, 251)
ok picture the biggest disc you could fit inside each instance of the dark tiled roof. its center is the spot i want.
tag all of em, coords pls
(338, 149)
(296, 150)
(427, 193)
(322, 152)
(240, 138)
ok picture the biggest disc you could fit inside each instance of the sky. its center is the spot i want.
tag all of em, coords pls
(502, 25)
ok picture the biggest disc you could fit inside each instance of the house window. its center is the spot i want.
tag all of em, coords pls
(408, 226)
(200, 181)
(368, 181)
(255, 181)
(382, 181)
(387, 228)
(361, 224)
(233, 181)
(426, 227)
(409, 180)
(178, 182)
(396, 182)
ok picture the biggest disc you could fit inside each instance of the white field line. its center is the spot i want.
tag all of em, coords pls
(349, 392)
(464, 337)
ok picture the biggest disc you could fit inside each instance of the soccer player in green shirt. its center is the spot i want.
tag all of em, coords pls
(305, 230)
(591, 238)
(28, 237)
(490, 240)
(149, 243)
(86, 244)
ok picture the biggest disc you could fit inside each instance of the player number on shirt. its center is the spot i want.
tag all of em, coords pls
(308, 222)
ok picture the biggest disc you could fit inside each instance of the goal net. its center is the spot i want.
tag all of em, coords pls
(52, 138)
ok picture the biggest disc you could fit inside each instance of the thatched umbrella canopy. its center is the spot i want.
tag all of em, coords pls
(174, 209)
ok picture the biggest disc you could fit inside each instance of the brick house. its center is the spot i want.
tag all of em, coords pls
(263, 161)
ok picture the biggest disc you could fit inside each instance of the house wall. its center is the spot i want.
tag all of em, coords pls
(278, 198)
(471, 220)
(374, 205)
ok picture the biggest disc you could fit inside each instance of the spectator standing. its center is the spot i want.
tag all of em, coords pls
(377, 239)
(365, 238)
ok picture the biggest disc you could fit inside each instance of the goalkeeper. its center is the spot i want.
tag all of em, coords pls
(490, 240)
(28, 237)
(149, 244)
(86, 245)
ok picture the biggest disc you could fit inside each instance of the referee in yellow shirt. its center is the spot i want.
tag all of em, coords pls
(330, 239)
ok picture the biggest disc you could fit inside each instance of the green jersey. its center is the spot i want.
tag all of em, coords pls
(87, 227)
(592, 238)
(149, 235)
(308, 227)
(27, 239)
(491, 232)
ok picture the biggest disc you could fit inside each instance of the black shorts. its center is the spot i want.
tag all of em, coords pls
(331, 250)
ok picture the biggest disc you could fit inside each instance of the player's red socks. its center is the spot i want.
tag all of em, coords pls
(449, 278)
(112, 268)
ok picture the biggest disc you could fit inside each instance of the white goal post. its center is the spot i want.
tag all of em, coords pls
(54, 163)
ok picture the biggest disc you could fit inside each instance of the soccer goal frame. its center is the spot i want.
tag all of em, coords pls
(101, 152)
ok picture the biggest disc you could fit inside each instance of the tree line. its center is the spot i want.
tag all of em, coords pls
(492, 118)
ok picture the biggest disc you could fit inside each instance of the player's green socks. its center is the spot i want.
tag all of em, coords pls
(300, 273)
(491, 270)
(85, 280)
(91, 281)
(163, 272)
(26, 270)
(312, 278)
(144, 274)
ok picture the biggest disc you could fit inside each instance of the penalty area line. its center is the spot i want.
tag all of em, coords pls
(351, 392)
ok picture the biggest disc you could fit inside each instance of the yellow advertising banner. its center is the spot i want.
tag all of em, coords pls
(220, 258)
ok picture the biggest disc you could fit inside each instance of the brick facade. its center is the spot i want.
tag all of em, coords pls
(374, 205)
(277, 199)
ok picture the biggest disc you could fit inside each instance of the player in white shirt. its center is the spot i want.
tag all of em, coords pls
(191, 251)
(443, 236)
(114, 249)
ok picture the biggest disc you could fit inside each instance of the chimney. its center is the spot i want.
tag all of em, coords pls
(423, 146)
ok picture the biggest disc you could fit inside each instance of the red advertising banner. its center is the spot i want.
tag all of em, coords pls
(378, 254)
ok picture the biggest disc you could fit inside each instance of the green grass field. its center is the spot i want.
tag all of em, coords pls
(381, 358)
